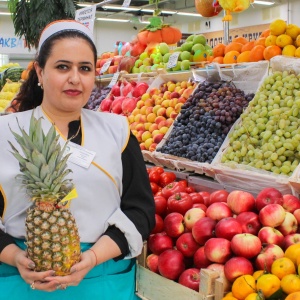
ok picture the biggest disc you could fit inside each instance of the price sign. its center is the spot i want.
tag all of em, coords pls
(172, 62)
(105, 66)
(114, 79)
(126, 3)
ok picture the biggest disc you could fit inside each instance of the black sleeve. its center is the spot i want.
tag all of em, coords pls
(137, 200)
(5, 239)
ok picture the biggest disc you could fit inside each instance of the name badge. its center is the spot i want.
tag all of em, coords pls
(79, 155)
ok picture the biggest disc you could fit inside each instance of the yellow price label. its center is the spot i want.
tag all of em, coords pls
(68, 198)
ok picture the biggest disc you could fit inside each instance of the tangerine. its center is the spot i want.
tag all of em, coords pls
(253, 296)
(257, 53)
(243, 286)
(283, 266)
(271, 51)
(292, 252)
(233, 46)
(240, 39)
(258, 273)
(244, 57)
(248, 46)
(260, 41)
(268, 284)
(293, 296)
(290, 283)
(265, 33)
(231, 57)
(218, 50)
(218, 59)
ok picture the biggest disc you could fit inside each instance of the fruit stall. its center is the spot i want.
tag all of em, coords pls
(219, 132)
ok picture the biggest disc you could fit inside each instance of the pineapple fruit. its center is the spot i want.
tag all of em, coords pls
(52, 237)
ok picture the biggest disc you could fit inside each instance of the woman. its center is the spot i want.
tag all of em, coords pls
(57, 89)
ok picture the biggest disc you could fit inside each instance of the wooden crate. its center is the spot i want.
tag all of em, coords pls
(152, 286)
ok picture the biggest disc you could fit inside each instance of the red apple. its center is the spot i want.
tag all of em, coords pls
(180, 202)
(171, 264)
(227, 228)
(270, 235)
(218, 196)
(218, 211)
(217, 250)
(200, 205)
(249, 221)
(268, 196)
(160, 205)
(159, 242)
(246, 245)
(219, 268)
(200, 259)
(289, 225)
(190, 278)
(173, 224)
(159, 224)
(296, 213)
(291, 239)
(268, 254)
(271, 215)
(192, 216)
(290, 202)
(196, 197)
(152, 262)
(186, 244)
(206, 197)
(237, 266)
(240, 201)
(203, 230)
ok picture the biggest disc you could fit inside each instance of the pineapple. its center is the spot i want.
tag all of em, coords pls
(52, 237)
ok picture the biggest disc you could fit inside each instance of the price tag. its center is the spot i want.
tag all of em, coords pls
(114, 79)
(126, 3)
(172, 62)
(105, 66)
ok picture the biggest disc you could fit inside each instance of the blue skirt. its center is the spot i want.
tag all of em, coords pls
(107, 281)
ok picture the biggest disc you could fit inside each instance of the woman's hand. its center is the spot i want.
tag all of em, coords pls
(78, 271)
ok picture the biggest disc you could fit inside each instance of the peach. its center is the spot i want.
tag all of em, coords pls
(142, 146)
(162, 124)
(152, 147)
(161, 111)
(178, 107)
(140, 127)
(145, 96)
(130, 119)
(143, 110)
(148, 142)
(146, 135)
(156, 108)
(158, 137)
(158, 119)
(165, 103)
(153, 127)
(169, 110)
(147, 125)
(149, 110)
(164, 129)
(151, 117)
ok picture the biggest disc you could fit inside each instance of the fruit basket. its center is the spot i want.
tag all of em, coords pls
(215, 76)
(152, 286)
(274, 160)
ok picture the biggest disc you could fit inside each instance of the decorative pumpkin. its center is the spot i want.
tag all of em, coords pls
(234, 6)
(207, 8)
(156, 32)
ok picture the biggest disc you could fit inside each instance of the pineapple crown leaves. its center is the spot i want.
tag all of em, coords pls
(30, 17)
(43, 164)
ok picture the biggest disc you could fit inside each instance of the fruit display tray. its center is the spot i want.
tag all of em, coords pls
(152, 286)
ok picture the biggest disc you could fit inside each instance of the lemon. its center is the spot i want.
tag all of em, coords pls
(270, 40)
(289, 50)
(283, 40)
(297, 52)
(292, 30)
(277, 27)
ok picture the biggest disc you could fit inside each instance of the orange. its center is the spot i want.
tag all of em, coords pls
(233, 46)
(268, 284)
(271, 51)
(265, 33)
(253, 296)
(247, 46)
(289, 50)
(257, 53)
(240, 39)
(231, 57)
(283, 266)
(218, 50)
(277, 27)
(284, 40)
(293, 296)
(270, 40)
(229, 294)
(297, 41)
(218, 59)
(260, 41)
(258, 273)
(229, 298)
(292, 30)
(209, 58)
(244, 57)
(292, 252)
(243, 286)
(290, 283)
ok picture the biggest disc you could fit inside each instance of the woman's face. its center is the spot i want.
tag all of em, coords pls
(69, 75)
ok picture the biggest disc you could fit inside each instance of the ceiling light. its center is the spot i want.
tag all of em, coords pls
(188, 14)
(112, 20)
(263, 2)
(120, 8)
(84, 4)
(4, 13)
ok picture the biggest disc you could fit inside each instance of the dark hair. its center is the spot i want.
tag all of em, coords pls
(30, 94)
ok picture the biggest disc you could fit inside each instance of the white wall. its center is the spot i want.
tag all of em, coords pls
(107, 33)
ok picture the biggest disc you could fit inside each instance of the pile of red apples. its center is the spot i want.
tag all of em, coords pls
(156, 111)
(233, 233)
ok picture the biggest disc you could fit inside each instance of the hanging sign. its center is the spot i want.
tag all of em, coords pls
(86, 16)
